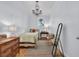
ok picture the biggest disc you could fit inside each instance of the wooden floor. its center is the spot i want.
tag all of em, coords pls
(22, 53)
(43, 50)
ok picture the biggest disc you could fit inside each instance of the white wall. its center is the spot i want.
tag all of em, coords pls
(68, 12)
(20, 14)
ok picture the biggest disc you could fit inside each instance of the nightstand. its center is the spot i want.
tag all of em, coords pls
(44, 35)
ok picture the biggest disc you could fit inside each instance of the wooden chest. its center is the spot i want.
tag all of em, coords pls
(9, 47)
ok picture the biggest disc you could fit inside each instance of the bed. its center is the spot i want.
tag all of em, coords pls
(29, 39)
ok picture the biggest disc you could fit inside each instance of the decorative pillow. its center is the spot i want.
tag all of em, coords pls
(33, 30)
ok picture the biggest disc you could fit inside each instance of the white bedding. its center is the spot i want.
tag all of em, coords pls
(29, 37)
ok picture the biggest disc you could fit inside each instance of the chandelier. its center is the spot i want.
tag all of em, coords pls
(37, 10)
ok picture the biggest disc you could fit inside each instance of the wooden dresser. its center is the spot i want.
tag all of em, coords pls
(9, 47)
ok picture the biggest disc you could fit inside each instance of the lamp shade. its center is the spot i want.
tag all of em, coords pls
(12, 28)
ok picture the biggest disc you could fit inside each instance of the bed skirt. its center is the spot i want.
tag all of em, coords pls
(28, 45)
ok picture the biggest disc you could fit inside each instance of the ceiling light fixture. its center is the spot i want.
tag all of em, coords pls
(37, 10)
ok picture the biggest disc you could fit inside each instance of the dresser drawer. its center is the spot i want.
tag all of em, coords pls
(15, 46)
(8, 45)
(6, 53)
(15, 52)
